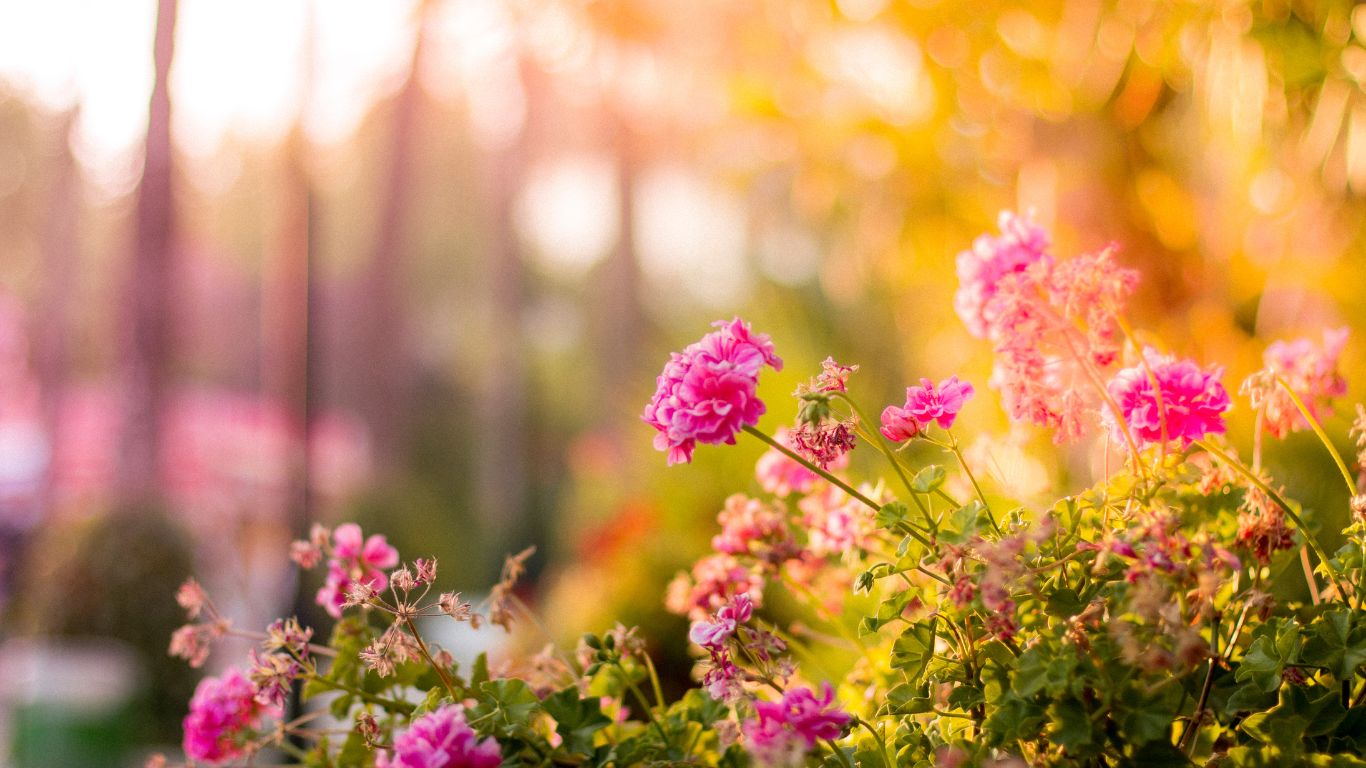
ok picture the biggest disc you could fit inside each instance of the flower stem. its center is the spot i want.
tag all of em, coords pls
(1309, 537)
(426, 654)
(1323, 436)
(791, 454)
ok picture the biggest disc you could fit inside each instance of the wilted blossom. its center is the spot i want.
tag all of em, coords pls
(832, 378)
(355, 561)
(1310, 370)
(707, 392)
(224, 715)
(1022, 244)
(751, 527)
(1192, 400)
(712, 635)
(783, 731)
(781, 475)
(441, 739)
(925, 404)
(825, 444)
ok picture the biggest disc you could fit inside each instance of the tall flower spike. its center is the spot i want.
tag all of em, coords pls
(706, 393)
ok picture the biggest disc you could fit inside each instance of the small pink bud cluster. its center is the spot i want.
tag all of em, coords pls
(751, 527)
(782, 732)
(1309, 370)
(441, 739)
(925, 405)
(707, 393)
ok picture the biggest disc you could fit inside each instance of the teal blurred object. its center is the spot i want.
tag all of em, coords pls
(70, 703)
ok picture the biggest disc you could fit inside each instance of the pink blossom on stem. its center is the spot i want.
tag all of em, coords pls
(441, 739)
(751, 527)
(356, 561)
(712, 635)
(791, 727)
(707, 393)
(224, 714)
(1192, 400)
(925, 404)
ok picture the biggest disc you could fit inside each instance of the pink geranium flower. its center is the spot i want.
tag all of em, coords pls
(355, 560)
(712, 635)
(224, 714)
(784, 730)
(1192, 400)
(441, 739)
(925, 405)
(706, 393)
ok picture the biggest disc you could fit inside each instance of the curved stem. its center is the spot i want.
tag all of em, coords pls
(791, 454)
(1323, 436)
(1309, 537)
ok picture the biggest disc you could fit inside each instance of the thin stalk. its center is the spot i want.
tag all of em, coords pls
(844, 759)
(426, 654)
(982, 497)
(644, 704)
(791, 454)
(1283, 504)
(1193, 725)
(1323, 436)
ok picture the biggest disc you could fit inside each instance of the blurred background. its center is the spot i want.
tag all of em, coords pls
(416, 263)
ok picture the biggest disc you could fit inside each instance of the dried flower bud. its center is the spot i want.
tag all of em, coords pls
(453, 606)
(360, 593)
(403, 579)
(426, 570)
(367, 728)
(191, 597)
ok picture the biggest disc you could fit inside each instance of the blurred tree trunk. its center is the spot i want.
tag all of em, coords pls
(61, 256)
(503, 481)
(387, 371)
(148, 293)
(622, 318)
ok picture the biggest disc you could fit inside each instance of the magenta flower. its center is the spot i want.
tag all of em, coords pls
(925, 405)
(788, 728)
(1022, 244)
(355, 560)
(224, 715)
(441, 739)
(1192, 401)
(712, 635)
(706, 393)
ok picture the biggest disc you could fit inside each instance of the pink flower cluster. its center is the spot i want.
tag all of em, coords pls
(441, 739)
(355, 560)
(1188, 404)
(925, 405)
(1310, 370)
(707, 393)
(835, 521)
(224, 714)
(783, 731)
(1053, 323)
(714, 581)
(751, 527)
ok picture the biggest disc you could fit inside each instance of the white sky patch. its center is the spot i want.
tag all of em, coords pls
(238, 67)
(691, 237)
(569, 211)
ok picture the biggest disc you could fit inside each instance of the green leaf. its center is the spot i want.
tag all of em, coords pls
(1266, 658)
(1335, 644)
(1071, 727)
(511, 698)
(913, 650)
(1064, 603)
(1295, 716)
(907, 699)
(928, 479)
(576, 719)
(891, 515)
(965, 697)
(353, 751)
